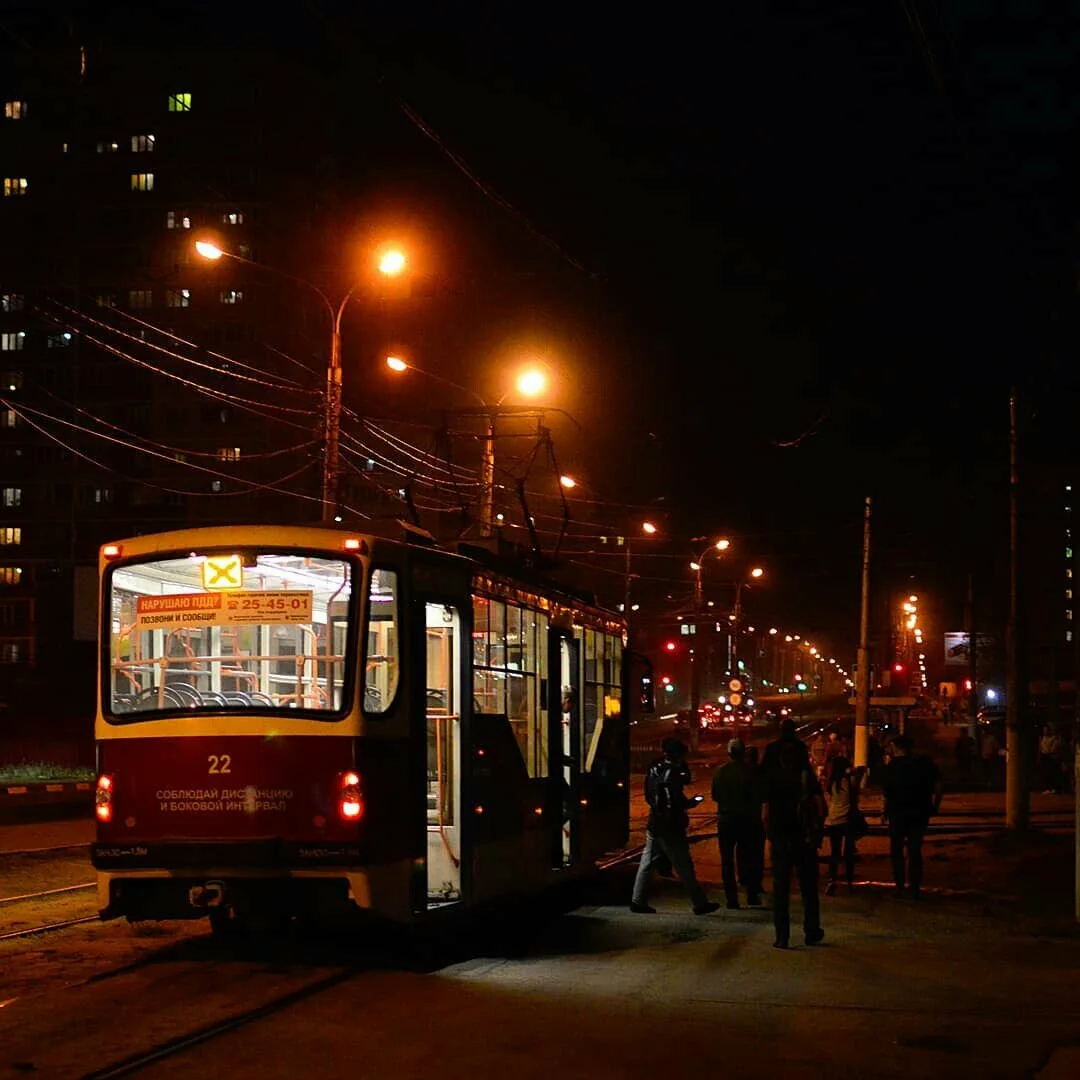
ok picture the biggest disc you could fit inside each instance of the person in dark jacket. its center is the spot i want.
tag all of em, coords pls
(665, 833)
(793, 812)
(737, 807)
(912, 789)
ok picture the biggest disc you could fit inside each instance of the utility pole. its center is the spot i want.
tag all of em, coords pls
(695, 667)
(862, 668)
(487, 479)
(1016, 795)
(626, 592)
(973, 661)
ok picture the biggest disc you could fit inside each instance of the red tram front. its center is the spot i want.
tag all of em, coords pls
(299, 721)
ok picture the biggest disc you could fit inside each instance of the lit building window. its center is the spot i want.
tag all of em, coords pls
(1068, 572)
(12, 302)
(9, 418)
(1068, 553)
(229, 453)
(11, 536)
(11, 380)
(231, 296)
(142, 144)
(10, 575)
(142, 181)
(58, 341)
(215, 485)
(15, 110)
(178, 297)
(1068, 614)
(64, 148)
(11, 496)
(103, 495)
(140, 298)
(243, 250)
(10, 652)
(15, 185)
(1068, 635)
(175, 220)
(12, 340)
(233, 217)
(1068, 594)
(107, 147)
(180, 102)
(105, 300)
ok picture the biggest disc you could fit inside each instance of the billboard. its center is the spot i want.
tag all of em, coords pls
(957, 649)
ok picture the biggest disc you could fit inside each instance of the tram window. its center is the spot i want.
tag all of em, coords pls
(224, 630)
(382, 667)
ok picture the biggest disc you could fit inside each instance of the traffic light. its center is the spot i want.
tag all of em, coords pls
(801, 687)
(898, 668)
(667, 684)
(968, 686)
(670, 646)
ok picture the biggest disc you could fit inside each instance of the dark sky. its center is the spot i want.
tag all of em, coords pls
(853, 220)
(740, 225)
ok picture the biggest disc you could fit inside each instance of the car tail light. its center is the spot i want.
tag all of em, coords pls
(103, 798)
(350, 797)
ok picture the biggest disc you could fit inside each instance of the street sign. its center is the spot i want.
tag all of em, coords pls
(735, 698)
(736, 685)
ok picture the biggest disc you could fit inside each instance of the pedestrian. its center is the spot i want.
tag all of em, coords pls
(833, 750)
(912, 791)
(665, 833)
(755, 867)
(736, 807)
(844, 823)
(818, 749)
(1050, 760)
(991, 756)
(793, 812)
(965, 754)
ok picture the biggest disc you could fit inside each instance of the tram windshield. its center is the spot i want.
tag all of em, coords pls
(224, 630)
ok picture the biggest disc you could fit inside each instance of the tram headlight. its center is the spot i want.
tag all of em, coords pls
(350, 797)
(103, 798)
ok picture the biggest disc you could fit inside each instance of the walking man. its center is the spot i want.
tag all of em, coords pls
(665, 833)
(737, 816)
(912, 789)
(793, 813)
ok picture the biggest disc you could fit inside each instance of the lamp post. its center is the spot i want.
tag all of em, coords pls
(696, 565)
(391, 263)
(756, 574)
(530, 383)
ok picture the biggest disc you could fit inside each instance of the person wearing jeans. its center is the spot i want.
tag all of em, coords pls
(841, 787)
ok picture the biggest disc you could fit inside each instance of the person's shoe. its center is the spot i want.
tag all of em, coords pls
(753, 899)
(642, 909)
(815, 937)
(780, 943)
(830, 889)
(707, 909)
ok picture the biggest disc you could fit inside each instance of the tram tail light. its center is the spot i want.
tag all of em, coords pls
(112, 551)
(103, 798)
(350, 797)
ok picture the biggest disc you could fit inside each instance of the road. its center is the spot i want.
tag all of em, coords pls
(981, 979)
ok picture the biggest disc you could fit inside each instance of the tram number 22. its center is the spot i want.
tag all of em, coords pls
(219, 763)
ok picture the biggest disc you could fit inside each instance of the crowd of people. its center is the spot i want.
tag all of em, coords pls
(795, 798)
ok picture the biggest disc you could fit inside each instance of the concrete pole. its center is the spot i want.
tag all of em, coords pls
(973, 662)
(331, 459)
(626, 591)
(487, 480)
(1016, 794)
(695, 667)
(862, 663)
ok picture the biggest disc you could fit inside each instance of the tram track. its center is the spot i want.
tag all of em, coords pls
(26, 897)
(45, 928)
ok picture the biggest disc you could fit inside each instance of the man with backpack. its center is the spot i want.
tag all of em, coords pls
(665, 834)
(793, 813)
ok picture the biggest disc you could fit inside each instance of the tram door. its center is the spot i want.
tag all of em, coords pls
(564, 738)
(442, 653)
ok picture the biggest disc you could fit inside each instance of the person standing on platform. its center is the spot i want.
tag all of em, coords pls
(793, 814)
(665, 833)
(736, 807)
(912, 790)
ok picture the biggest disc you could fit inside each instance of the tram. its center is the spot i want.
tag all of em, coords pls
(303, 721)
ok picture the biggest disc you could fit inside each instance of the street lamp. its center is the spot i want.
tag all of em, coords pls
(530, 382)
(391, 263)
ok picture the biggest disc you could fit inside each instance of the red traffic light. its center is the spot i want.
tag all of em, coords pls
(670, 646)
(968, 685)
(665, 680)
(898, 668)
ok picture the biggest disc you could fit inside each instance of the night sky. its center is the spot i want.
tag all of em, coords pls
(784, 255)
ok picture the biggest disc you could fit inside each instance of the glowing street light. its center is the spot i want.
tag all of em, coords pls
(532, 382)
(395, 363)
(568, 482)
(208, 250)
(648, 528)
(392, 263)
(757, 572)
